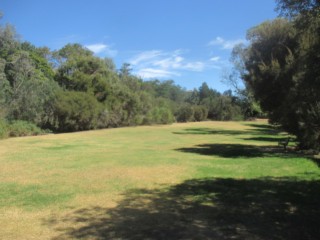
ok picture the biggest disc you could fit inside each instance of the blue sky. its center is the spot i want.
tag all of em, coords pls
(188, 41)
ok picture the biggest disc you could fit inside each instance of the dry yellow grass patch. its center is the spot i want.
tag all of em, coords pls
(19, 224)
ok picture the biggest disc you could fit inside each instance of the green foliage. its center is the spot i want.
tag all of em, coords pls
(22, 128)
(185, 113)
(8, 41)
(26, 86)
(4, 131)
(4, 88)
(193, 97)
(309, 126)
(204, 91)
(27, 92)
(224, 110)
(71, 51)
(75, 111)
(278, 67)
(167, 89)
(293, 8)
(84, 73)
(200, 113)
(160, 115)
(39, 59)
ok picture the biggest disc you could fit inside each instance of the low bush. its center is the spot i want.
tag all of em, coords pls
(3, 129)
(159, 115)
(22, 128)
(200, 113)
(185, 113)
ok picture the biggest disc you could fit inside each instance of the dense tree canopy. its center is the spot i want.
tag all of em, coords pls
(71, 89)
(280, 67)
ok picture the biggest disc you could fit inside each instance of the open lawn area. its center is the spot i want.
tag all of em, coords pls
(207, 180)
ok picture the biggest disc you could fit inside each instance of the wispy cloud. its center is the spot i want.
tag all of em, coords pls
(215, 59)
(102, 49)
(195, 66)
(225, 44)
(97, 48)
(148, 73)
(145, 56)
(162, 64)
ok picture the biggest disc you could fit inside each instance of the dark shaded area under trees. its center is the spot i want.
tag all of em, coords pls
(217, 208)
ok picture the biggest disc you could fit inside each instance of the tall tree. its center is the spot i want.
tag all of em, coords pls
(79, 70)
(293, 8)
(30, 94)
(278, 66)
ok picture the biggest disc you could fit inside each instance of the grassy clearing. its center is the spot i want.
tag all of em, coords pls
(208, 180)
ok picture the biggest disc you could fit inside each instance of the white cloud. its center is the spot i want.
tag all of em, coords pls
(174, 62)
(145, 56)
(97, 48)
(215, 59)
(195, 66)
(225, 44)
(217, 41)
(162, 64)
(102, 49)
(155, 73)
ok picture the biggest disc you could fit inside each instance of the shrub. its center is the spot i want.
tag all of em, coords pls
(185, 114)
(3, 129)
(76, 111)
(22, 128)
(159, 115)
(200, 113)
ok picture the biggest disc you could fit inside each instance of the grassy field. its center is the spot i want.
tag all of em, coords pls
(208, 180)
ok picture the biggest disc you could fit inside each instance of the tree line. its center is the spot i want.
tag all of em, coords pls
(280, 68)
(71, 89)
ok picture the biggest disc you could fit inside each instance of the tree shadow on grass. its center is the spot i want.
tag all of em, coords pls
(255, 129)
(258, 129)
(267, 208)
(261, 126)
(265, 139)
(209, 131)
(236, 150)
(316, 160)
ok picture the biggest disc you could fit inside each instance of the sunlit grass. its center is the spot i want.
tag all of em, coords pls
(50, 175)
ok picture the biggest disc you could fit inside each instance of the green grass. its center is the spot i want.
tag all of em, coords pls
(29, 196)
(208, 180)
